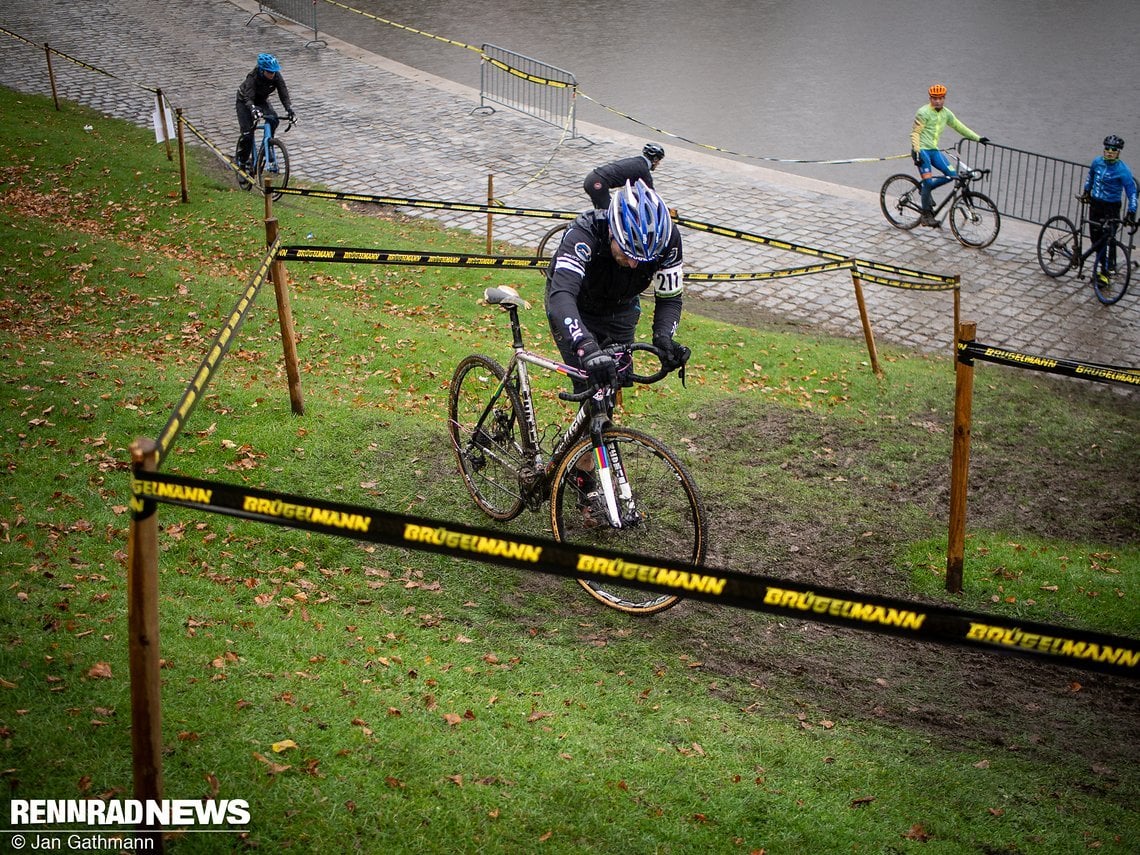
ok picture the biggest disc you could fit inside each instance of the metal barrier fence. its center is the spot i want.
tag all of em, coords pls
(303, 12)
(1025, 185)
(528, 85)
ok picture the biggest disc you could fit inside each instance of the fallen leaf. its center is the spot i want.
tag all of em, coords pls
(862, 801)
(100, 671)
(917, 832)
(283, 745)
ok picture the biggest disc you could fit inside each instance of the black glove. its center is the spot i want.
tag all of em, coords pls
(1130, 219)
(600, 365)
(914, 156)
(290, 115)
(984, 140)
(673, 353)
(1085, 197)
(257, 117)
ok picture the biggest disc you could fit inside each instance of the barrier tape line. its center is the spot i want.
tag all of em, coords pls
(220, 346)
(863, 263)
(715, 148)
(404, 27)
(78, 62)
(338, 254)
(351, 255)
(970, 350)
(473, 207)
(1082, 649)
(560, 84)
(696, 225)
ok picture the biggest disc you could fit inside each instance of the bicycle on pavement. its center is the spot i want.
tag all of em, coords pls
(974, 217)
(270, 159)
(1061, 247)
(640, 497)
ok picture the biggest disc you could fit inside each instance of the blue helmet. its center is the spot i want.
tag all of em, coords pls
(268, 62)
(640, 222)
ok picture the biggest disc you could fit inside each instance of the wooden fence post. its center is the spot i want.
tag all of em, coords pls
(181, 157)
(285, 317)
(490, 202)
(960, 462)
(142, 632)
(868, 335)
(51, 76)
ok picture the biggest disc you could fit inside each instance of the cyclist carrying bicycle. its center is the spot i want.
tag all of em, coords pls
(610, 176)
(253, 104)
(1109, 178)
(929, 122)
(595, 279)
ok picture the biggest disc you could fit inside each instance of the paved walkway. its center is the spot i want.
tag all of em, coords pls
(371, 125)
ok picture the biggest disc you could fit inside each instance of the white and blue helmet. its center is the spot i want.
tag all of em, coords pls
(640, 222)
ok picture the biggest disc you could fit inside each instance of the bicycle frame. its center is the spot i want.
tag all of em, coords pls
(963, 175)
(596, 407)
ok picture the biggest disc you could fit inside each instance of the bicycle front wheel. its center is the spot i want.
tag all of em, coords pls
(273, 163)
(975, 220)
(483, 421)
(662, 515)
(1112, 273)
(901, 201)
(1057, 246)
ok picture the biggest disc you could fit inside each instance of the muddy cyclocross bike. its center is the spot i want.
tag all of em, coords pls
(638, 498)
(974, 217)
(1061, 247)
(270, 159)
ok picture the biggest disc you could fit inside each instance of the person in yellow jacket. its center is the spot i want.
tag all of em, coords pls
(929, 122)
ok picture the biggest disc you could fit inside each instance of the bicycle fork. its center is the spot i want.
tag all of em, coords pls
(616, 491)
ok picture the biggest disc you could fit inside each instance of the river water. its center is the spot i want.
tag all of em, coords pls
(806, 80)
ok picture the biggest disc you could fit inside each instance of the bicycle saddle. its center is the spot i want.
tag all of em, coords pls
(504, 295)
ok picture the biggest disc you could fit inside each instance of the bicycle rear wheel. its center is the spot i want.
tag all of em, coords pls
(901, 201)
(1110, 279)
(551, 239)
(663, 517)
(974, 219)
(1057, 246)
(274, 165)
(483, 421)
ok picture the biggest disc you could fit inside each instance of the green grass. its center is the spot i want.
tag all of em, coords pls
(442, 706)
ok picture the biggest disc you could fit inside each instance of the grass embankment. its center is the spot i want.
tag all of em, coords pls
(369, 699)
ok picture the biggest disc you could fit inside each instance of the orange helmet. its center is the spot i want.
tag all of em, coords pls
(936, 91)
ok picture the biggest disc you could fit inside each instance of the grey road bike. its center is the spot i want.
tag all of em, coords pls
(1061, 247)
(973, 216)
(638, 498)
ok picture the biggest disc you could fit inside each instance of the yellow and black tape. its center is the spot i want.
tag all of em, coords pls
(76, 61)
(403, 26)
(197, 386)
(918, 621)
(530, 78)
(861, 263)
(336, 254)
(438, 204)
(968, 351)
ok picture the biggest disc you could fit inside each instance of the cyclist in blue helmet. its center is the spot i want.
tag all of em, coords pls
(253, 104)
(594, 282)
(595, 279)
(609, 176)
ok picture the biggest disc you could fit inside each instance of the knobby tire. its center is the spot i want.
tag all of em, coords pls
(665, 516)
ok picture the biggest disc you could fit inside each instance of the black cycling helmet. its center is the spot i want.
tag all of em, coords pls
(653, 151)
(1113, 141)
